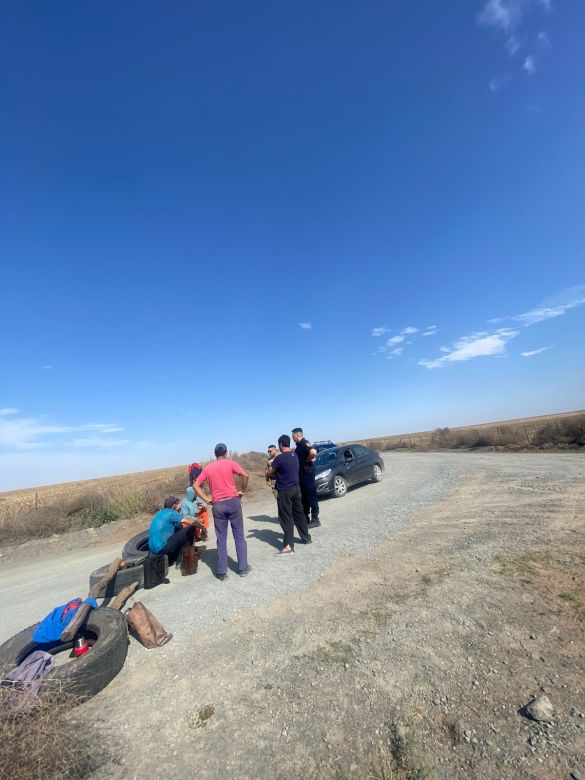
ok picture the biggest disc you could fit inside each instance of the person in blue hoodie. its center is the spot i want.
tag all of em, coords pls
(167, 535)
(193, 508)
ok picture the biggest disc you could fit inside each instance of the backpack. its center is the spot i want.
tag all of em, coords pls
(156, 568)
(193, 471)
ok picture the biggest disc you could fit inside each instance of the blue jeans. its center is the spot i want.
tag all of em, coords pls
(229, 512)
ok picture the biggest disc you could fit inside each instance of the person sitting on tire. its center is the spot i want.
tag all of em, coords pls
(167, 536)
(193, 508)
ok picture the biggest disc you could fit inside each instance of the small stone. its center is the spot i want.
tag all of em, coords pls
(533, 636)
(541, 709)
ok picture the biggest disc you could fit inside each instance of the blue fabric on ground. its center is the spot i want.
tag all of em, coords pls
(52, 626)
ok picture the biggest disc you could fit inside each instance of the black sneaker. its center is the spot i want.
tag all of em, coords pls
(245, 572)
(306, 541)
(314, 523)
(221, 577)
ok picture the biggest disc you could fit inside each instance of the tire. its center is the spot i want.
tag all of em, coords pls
(377, 473)
(137, 547)
(123, 577)
(339, 486)
(83, 677)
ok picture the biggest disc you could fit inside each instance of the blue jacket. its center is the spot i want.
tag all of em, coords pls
(190, 504)
(163, 525)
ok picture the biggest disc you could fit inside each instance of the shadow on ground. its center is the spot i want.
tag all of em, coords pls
(266, 535)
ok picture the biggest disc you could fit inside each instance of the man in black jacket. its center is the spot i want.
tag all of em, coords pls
(306, 455)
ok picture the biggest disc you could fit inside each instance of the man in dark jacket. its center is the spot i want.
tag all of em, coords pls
(285, 467)
(306, 455)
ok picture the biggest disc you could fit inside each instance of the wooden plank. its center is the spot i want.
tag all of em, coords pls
(72, 629)
(95, 591)
(82, 613)
(118, 601)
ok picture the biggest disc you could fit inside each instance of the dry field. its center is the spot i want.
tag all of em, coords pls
(552, 431)
(72, 506)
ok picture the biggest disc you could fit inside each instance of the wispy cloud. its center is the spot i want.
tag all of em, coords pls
(553, 307)
(381, 331)
(530, 65)
(512, 45)
(47, 367)
(8, 410)
(507, 17)
(396, 351)
(496, 84)
(502, 14)
(475, 345)
(96, 441)
(306, 325)
(430, 330)
(409, 329)
(144, 444)
(31, 433)
(533, 352)
(395, 340)
(543, 39)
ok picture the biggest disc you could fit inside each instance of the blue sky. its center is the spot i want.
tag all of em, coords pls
(222, 220)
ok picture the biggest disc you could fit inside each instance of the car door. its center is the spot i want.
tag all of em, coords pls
(364, 462)
(349, 465)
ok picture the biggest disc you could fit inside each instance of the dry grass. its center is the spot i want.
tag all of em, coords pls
(57, 509)
(45, 742)
(558, 431)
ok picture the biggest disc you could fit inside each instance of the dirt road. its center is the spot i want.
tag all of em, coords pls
(403, 643)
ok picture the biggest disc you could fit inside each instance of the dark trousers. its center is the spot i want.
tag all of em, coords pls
(309, 496)
(290, 513)
(176, 542)
(225, 513)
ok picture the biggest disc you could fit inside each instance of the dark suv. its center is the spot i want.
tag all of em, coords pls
(337, 468)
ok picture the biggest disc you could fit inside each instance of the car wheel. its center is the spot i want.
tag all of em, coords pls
(377, 473)
(339, 487)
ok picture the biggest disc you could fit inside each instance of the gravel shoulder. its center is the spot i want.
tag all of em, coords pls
(403, 643)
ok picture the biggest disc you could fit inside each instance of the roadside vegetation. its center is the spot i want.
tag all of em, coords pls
(57, 510)
(45, 742)
(554, 432)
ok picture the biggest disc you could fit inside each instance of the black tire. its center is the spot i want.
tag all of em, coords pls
(339, 486)
(123, 577)
(377, 474)
(137, 547)
(82, 677)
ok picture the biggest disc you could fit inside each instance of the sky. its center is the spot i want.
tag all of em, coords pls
(223, 220)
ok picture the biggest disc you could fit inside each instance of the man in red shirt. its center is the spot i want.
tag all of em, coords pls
(226, 506)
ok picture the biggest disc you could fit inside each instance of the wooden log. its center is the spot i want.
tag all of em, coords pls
(76, 624)
(82, 613)
(118, 601)
(95, 591)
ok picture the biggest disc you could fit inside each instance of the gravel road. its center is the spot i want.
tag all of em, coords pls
(393, 646)
(366, 515)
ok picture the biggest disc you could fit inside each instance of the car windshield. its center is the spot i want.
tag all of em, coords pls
(324, 457)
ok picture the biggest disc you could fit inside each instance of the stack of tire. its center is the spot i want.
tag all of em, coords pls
(134, 553)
